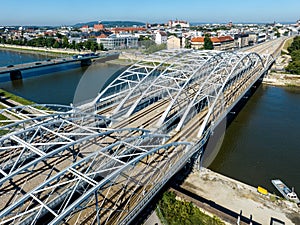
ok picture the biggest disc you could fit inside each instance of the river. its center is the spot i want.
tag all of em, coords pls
(58, 87)
(260, 144)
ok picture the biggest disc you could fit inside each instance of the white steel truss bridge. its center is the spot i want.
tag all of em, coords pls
(101, 163)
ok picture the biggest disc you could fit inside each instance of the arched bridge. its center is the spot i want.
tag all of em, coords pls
(102, 162)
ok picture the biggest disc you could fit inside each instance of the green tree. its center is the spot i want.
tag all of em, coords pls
(56, 44)
(187, 43)
(73, 45)
(294, 50)
(59, 35)
(50, 42)
(94, 47)
(101, 47)
(208, 45)
(87, 44)
(175, 212)
(65, 42)
(79, 46)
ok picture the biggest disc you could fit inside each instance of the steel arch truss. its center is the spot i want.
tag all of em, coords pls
(172, 79)
(137, 74)
(189, 83)
(102, 186)
(68, 166)
(21, 117)
(23, 145)
(227, 86)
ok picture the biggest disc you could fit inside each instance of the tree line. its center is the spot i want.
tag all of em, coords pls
(51, 42)
(294, 50)
(175, 212)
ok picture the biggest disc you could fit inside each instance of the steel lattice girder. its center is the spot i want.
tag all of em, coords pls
(182, 79)
(171, 79)
(248, 66)
(28, 148)
(29, 115)
(117, 194)
(136, 74)
(18, 161)
(38, 141)
(97, 178)
(82, 172)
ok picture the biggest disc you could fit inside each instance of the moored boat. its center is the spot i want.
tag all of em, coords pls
(286, 191)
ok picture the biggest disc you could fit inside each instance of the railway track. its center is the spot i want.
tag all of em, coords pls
(75, 173)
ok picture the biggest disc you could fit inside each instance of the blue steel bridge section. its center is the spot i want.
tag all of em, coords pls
(102, 162)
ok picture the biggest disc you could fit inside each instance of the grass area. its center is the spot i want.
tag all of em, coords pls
(40, 51)
(2, 118)
(175, 212)
(3, 132)
(287, 44)
(8, 95)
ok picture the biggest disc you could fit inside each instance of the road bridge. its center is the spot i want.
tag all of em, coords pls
(102, 162)
(15, 71)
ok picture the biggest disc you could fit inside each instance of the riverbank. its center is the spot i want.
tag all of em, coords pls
(42, 50)
(282, 80)
(232, 197)
(8, 100)
(14, 99)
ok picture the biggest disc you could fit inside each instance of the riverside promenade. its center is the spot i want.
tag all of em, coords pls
(45, 50)
(227, 198)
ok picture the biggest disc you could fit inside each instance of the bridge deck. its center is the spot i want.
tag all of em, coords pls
(39, 64)
(71, 168)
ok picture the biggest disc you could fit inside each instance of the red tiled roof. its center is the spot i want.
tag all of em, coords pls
(98, 26)
(102, 36)
(225, 38)
(127, 29)
(213, 39)
(198, 39)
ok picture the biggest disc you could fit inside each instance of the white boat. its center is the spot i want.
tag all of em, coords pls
(286, 191)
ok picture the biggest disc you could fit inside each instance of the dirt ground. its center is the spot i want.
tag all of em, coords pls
(278, 79)
(233, 197)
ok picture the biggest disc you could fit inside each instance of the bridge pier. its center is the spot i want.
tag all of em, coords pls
(197, 160)
(86, 62)
(16, 75)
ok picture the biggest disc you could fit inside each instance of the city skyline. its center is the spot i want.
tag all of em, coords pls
(63, 12)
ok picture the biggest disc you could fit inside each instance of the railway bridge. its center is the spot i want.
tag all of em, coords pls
(102, 162)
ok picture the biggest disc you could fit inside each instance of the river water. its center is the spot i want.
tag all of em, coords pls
(58, 87)
(260, 144)
(263, 141)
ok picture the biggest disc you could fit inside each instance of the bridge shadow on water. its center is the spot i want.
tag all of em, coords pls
(240, 105)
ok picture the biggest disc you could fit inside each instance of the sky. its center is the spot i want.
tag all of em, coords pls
(70, 12)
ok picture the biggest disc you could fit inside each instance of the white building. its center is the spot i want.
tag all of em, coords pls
(175, 42)
(113, 42)
(161, 37)
(261, 37)
(179, 23)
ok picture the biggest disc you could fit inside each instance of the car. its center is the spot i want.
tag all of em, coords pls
(10, 66)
